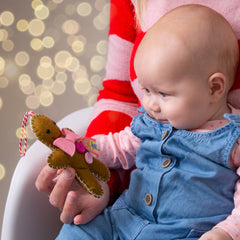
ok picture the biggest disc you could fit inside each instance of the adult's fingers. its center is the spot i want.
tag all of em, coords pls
(85, 216)
(70, 208)
(80, 208)
(62, 187)
(44, 182)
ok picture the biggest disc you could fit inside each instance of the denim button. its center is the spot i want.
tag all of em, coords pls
(148, 199)
(165, 134)
(166, 162)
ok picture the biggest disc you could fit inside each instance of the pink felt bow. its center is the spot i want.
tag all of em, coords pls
(67, 144)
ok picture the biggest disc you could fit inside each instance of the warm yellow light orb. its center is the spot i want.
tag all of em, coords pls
(36, 44)
(48, 42)
(2, 172)
(6, 18)
(22, 25)
(22, 58)
(36, 27)
(42, 12)
(84, 9)
(97, 63)
(32, 102)
(62, 59)
(3, 82)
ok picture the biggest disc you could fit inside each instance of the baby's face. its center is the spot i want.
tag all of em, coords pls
(175, 89)
(181, 65)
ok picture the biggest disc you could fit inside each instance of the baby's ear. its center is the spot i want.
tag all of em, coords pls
(217, 86)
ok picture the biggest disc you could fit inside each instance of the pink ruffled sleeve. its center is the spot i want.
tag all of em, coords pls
(118, 150)
(232, 224)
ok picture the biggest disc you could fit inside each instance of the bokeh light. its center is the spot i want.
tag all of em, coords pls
(47, 83)
(45, 61)
(61, 76)
(99, 4)
(3, 82)
(78, 46)
(97, 63)
(8, 45)
(101, 20)
(73, 64)
(82, 86)
(32, 102)
(26, 84)
(92, 99)
(36, 3)
(70, 27)
(45, 72)
(52, 61)
(36, 27)
(96, 80)
(22, 58)
(1, 103)
(36, 44)
(102, 47)
(81, 73)
(51, 5)
(62, 59)
(41, 12)
(84, 9)
(22, 25)
(46, 98)
(58, 87)
(2, 171)
(6, 18)
(57, 1)
(3, 35)
(2, 65)
(48, 42)
(52, 48)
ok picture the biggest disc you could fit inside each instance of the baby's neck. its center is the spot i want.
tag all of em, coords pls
(220, 111)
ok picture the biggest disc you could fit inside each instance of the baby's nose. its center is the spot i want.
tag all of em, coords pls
(154, 105)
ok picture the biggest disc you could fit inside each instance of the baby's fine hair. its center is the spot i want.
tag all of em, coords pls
(212, 32)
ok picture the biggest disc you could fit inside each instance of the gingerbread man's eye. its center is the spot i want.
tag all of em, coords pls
(54, 123)
(48, 131)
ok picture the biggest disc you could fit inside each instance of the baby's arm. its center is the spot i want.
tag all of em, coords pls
(230, 227)
(118, 150)
(215, 234)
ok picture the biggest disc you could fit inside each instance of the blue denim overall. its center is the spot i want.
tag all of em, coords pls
(182, 187)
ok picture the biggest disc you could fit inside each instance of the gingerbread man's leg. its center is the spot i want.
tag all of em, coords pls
(89, 182)
(99, 170)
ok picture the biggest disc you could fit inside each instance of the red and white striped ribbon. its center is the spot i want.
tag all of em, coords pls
(23, 135)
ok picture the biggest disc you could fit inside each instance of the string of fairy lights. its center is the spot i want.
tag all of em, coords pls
(53, 67)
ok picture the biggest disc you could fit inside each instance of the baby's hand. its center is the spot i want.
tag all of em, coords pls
(65, 193)
(215, 234)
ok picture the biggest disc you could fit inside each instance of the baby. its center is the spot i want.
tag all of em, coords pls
(184, 140)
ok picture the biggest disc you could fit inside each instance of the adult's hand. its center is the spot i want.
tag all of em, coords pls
(65, 193)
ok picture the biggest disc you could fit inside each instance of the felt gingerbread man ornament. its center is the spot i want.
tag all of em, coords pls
(68, 150)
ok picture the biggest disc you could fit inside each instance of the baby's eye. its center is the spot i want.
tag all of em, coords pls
(146, 90)
(163, 94)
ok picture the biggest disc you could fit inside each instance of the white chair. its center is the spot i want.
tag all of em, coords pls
(28, 214)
